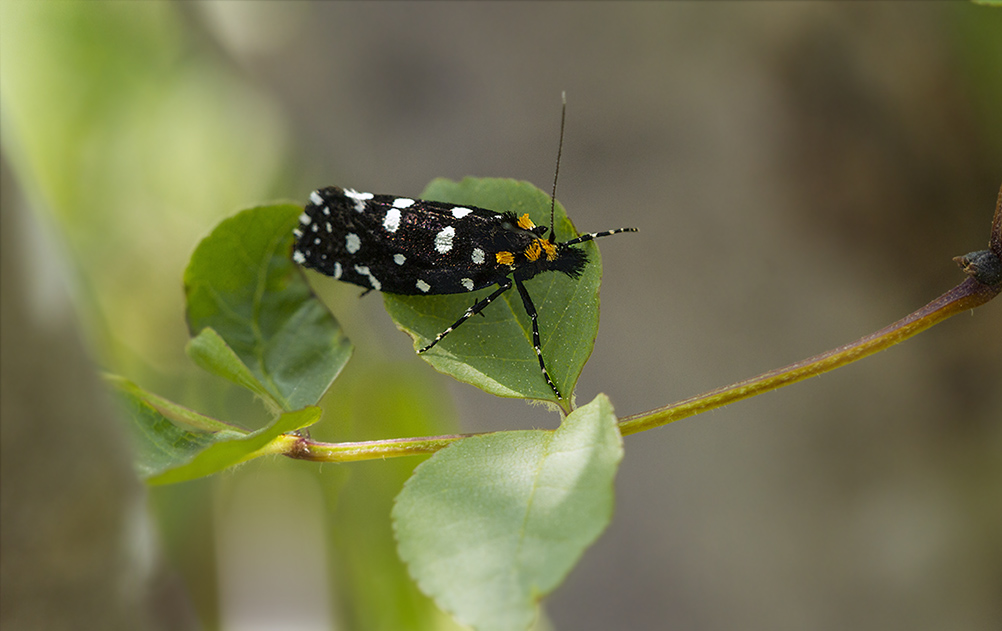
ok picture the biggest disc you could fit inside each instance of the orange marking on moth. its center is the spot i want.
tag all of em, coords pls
(505, 258)
(550, 249)
(533, 251)
(525, 223)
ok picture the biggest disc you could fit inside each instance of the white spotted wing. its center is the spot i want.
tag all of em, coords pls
(405, 246)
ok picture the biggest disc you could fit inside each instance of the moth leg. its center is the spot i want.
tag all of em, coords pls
(479, 313)
(531, 310)
(503, 286)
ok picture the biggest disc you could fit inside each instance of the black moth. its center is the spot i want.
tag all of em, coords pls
(414, 247)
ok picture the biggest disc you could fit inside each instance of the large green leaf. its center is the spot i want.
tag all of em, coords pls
(495, 352)
(493, 523)
(242, 284)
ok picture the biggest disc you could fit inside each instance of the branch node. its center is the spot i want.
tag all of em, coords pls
(983, 266)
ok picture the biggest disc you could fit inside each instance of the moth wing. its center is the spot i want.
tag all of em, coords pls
(440, 248)
(403, 246)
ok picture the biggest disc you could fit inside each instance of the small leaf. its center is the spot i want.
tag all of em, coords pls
(223, 454)
(242, 284)
(491, 524)
(166, 435)
(494, 352)
(209, 351)
(175, 444)
(177, 414)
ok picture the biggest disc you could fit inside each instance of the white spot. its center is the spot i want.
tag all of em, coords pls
(443, 240)
(423, 286)
(316, 241)
(297, 232)
(459, 212)
(329, 227)
(478, 256)
(399, 259)
(364, 271)
(327, 211)
(337, 270)
(298, 257)
(315, 198)
(392, 220)
(305, 219)
(351, 243)
(352, 193)
(360, 198)
(403, 202)
(468, 283)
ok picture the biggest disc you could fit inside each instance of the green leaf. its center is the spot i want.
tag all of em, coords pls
(222, 454)
(177, 414)
(491, 524)
(209, 351)
(166, 435)
(242, 284)
(495, 352)
(175, 444)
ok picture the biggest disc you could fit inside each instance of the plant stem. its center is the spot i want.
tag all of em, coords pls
(306, 449)
(963, 297)
(982, 284)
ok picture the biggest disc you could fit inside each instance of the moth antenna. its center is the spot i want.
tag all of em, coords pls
(560, 149)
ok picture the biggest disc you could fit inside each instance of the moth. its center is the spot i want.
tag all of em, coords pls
(408, 246)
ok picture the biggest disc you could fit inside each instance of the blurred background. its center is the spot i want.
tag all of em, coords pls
(801, 174)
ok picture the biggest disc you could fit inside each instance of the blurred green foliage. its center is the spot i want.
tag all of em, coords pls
(133, 141)
(131, 138)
